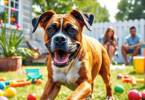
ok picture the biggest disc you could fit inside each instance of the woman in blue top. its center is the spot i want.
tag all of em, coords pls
(108, 40)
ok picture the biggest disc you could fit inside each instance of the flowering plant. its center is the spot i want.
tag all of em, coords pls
(10, 42)
(11, 39)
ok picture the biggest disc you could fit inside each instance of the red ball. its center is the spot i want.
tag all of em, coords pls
(134, 95)
(126, 76)
(32, 97)
(143, 94)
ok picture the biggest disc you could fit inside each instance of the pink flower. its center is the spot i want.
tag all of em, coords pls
(1, 21)
(18, 26)
(13, 10)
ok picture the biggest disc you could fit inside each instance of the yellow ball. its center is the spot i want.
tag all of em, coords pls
(1, 93)
(13, 81)
(10, 92)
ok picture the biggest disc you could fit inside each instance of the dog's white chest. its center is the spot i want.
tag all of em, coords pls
(67, 76)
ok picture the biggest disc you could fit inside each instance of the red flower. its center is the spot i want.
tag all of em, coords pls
(6, 2)
(12, 19)
(1, 21)
(17, 25)
(13, 10)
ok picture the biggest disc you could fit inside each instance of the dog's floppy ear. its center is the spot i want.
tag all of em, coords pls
(86, 18)
(42, 19)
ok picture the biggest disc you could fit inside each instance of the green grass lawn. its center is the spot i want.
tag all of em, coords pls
(99, 89)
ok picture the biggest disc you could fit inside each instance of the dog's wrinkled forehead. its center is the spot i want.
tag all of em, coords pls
(43, 20)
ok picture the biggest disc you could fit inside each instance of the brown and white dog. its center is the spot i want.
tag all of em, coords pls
(75, 59)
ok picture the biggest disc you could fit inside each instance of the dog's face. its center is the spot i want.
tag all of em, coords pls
(63, 34)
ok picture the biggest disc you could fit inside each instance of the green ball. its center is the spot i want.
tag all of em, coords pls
(119, 88)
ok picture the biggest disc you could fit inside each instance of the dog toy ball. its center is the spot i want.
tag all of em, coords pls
(3, 98)
(2, 85)
(10, 92)
(119, 88)
(1, 93)
(126, 76)
(32, 97)
(119, 76)
(39, 81)
(134, 95)
(3, 79)
(33, 81)
(143, 94)
(12, 82)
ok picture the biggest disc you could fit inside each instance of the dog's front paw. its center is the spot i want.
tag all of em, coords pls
(88, 98)
(109, 98)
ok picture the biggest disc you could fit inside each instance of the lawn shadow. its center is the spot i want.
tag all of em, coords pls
(141, 88)
(133, 73)
(35, 65)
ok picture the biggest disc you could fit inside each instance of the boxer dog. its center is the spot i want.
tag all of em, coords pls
(74, 59)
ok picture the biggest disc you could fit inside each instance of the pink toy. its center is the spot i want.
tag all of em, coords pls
(143, 94)
(134, 95)
(3, 98)
(119, 76)
(24, 72)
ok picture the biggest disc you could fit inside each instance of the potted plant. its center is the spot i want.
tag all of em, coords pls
(11, 56)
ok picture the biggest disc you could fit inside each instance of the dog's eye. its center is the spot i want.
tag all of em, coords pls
(50, 30)
(72, 31)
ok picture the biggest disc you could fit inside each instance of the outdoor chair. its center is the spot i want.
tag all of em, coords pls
(129, 55)
(33, 73)
(38, 51)
(116, 54)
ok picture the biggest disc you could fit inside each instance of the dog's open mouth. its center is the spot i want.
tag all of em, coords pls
(62, 58)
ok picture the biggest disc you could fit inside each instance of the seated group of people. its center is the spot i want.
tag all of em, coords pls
(109, 41)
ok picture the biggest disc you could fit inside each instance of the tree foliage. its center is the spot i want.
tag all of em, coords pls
(64, 7)
(130, 9)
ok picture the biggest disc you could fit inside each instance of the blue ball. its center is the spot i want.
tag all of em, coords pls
(2, 85)
(33, 81)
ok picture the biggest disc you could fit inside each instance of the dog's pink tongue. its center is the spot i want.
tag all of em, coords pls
(60, 60)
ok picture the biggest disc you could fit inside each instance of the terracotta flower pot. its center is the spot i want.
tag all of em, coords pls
(10, 63)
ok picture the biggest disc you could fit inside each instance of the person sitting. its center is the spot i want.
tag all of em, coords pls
(108, 40)
(134, 41)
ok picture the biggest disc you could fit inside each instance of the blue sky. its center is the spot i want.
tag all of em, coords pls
(111, 6)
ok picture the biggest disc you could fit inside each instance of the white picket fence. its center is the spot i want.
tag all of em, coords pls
(121, 29)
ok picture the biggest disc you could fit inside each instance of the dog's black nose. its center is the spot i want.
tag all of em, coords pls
(60, 40)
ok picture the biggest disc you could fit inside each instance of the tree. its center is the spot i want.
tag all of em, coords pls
(101, 14)
(130, 9)
(64, 6)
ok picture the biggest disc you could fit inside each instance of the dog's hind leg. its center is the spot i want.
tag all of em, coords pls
(106, 75)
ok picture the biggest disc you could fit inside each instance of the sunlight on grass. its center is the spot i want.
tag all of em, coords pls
(99, 87)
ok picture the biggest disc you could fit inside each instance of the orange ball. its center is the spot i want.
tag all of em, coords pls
(39, 81)
(3, 79)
